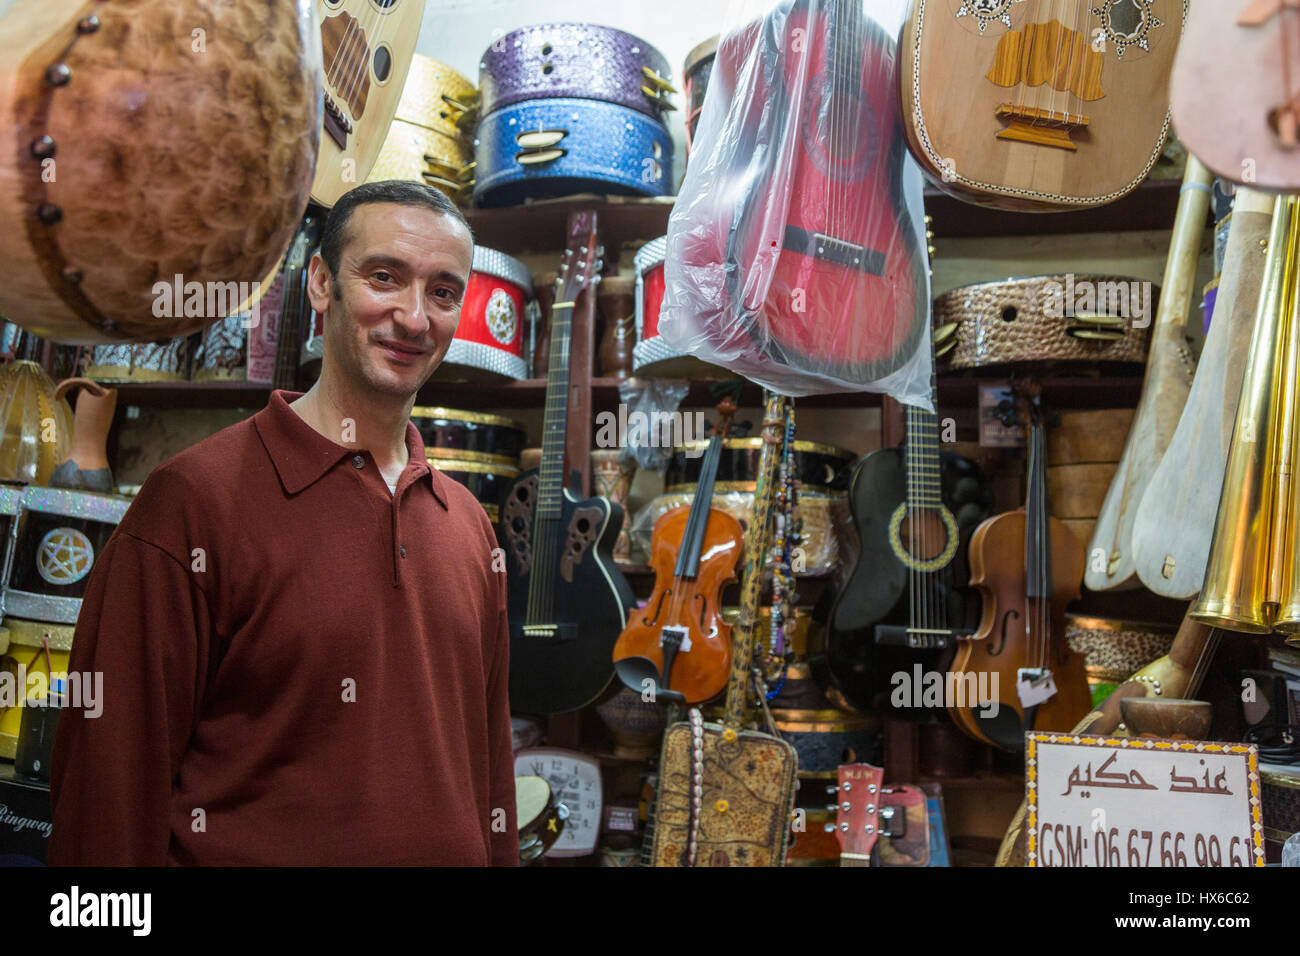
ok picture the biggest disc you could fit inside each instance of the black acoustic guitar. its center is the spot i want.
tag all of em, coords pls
(906, 598)
(567, 600)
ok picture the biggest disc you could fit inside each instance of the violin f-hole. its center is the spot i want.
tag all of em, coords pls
(1002, 637)
(649, 621)
(704, 609)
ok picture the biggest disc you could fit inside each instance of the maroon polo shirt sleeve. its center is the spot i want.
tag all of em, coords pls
(145, 626)
(505, 844)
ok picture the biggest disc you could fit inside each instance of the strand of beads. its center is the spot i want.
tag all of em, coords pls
(788, 535)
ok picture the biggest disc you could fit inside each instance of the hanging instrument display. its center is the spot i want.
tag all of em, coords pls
(1038, 105)
(1252, 577)
(1177, 675)
(678, 647)
(1175, 520)
(725, 793)
(132, 157)
(366, 48)
(1050, 318)
(1246, 130)
(1164, 391)
(1027, 567)
(903, 602)
(796, 250)
(567, 600)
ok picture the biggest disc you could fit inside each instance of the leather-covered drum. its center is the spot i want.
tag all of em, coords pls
(696, 71)
(167, 361)
(468, 436)
(543, 149)
(60, 534)
(487, 481)
(428, 141)
(1050, 318)
(652, 357)
(824, 739)
(489, 342)
(1115, 650)
(580, 60)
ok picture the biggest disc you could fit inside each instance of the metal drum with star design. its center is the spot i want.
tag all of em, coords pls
(489, 342)
(59, 534)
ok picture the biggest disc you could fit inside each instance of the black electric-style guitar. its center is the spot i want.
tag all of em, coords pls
(567, 601)
(905, 599)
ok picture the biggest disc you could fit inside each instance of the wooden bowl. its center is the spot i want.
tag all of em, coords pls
(1174, 719)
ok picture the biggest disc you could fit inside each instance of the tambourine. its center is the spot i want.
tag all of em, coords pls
(540, 818)
(1050, 318)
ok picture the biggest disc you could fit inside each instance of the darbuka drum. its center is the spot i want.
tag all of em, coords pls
(824, 739)
(652, 357)
(487, 481)
(468, 436)
(539, 816)
(697, 70)
(1114, 650)
(167, 361)
(489, 342)
(60, 534)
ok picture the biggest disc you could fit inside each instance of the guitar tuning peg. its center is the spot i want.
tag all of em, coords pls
(832, 806)
(600, 251)
(832, 791)
(828, 828)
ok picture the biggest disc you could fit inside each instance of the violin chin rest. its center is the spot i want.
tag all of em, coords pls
(635, 672)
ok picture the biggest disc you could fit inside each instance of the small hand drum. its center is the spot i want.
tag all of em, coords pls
(540, 818)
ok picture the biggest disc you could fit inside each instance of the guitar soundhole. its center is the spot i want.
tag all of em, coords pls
(1009, 313)
(838, 127)
(383, 64)
(924, 535)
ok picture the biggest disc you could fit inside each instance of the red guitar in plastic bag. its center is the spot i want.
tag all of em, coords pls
(821, 268)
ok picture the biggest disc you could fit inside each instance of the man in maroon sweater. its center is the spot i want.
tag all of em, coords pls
(301, 626)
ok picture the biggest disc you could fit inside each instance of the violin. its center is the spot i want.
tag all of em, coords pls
(678, 647)
(1027, 566)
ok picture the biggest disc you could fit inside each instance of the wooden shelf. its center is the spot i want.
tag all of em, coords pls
(192, 394)
(1150, 206)
(539, 227)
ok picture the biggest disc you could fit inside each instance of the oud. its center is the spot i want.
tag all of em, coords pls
(1175, 521)
(1038, 105)
(1246, 130)
(567, 601)
(366, 50)
(128, 156)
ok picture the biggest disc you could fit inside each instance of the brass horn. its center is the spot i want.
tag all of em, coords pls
(1250, 566)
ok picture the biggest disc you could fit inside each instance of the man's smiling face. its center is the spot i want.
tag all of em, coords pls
(394, 306)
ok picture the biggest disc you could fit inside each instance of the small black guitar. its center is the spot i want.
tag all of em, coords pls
(905, 599)
(567, 601)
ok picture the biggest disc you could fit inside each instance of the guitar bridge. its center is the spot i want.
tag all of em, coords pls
(559, 632)
(336, 124)
(818, 245)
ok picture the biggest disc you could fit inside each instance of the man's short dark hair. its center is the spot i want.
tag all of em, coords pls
(400, 192)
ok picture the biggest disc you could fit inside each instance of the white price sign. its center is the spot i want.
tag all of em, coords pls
(1115, 801)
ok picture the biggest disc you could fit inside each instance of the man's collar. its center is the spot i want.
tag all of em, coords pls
(301, 454)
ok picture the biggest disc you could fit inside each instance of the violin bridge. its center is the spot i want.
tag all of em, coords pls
(675, 635)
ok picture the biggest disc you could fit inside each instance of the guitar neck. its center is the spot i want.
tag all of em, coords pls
(555, 421)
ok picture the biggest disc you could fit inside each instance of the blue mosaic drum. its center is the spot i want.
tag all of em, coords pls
(541, 149)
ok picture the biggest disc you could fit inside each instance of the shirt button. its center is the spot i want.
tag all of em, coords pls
(402, 550)
(358, 461)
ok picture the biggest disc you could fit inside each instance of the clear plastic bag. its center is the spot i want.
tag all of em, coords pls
(796, 250)
(650, 404)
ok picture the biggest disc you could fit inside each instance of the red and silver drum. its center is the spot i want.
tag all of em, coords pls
(60, 535)
(489, 343)
(652, 357)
